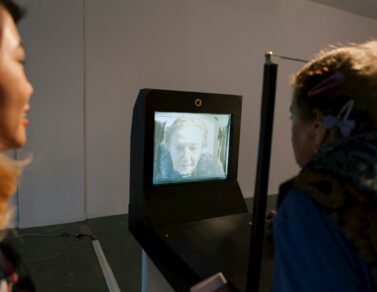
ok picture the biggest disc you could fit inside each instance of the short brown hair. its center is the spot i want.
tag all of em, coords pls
(358, 65)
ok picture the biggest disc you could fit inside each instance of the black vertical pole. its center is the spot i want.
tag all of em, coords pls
(263, 167)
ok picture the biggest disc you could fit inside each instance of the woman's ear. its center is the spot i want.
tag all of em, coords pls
(318, 116)
(321, 133)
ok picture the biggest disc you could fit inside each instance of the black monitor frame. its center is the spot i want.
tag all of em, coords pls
(181, 202)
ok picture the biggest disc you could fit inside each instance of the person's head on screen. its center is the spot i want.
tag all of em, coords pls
(185, 139)
(15, 92)
(334, 96)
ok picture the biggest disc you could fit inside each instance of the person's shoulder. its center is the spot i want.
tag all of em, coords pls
(305, 234)
(208, 165)
(205, 156)
(324, 188)
(296, 203)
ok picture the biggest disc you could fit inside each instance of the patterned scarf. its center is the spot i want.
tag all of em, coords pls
(342, 178)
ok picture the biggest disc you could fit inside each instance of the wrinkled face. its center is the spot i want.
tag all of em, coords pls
(15, 89)
(185, 148)
(305, 138)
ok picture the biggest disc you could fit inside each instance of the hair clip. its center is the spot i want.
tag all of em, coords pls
(343, 123)
(330, 82)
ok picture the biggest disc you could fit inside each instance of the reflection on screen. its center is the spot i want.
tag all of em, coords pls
(190, 147)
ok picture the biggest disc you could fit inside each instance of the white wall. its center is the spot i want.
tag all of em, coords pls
(88, 60)
(52, 188)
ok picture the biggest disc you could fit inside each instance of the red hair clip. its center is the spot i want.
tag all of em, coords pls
(330, 82)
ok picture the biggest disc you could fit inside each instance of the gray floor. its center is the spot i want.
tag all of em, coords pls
(59, 261)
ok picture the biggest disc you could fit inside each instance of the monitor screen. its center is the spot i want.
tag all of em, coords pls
(190, 147)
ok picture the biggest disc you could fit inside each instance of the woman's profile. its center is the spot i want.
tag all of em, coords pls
(15, 92)
(325, 231)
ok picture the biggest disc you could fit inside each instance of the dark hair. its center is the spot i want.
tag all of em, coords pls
(15, 9)
(357, 66)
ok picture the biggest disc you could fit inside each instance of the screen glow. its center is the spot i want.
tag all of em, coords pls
(190, 147)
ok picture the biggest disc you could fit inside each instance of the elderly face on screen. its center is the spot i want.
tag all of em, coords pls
(185, 139)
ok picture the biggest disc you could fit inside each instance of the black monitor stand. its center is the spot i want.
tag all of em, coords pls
(191, 250)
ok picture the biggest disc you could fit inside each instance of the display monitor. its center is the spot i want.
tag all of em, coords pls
(184, 156)
(190, 147)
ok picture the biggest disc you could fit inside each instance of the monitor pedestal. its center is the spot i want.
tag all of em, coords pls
(151, 278)
(185, 254)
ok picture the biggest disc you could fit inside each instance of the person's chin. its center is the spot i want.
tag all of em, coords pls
(19, 141)
(12, 143)
(186, 172)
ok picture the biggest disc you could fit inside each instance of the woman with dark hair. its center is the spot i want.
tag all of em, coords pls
(15, 92)
(325, 231)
